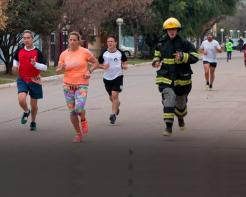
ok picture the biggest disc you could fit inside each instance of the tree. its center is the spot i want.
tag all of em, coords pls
(196, 16)
(3, 18)
(237, 21)
(136, 14)
(21, 15)
(85, 16)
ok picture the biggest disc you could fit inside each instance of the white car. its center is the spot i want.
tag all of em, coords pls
(129, 51)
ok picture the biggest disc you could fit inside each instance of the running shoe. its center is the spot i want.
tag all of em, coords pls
(84, 125)
(33, 126)
(206, 87)
(112, 118)
(24, 117)
(77, 138)
(210, 87)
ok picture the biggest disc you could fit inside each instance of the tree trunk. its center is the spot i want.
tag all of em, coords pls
(135, 45)
(8, 45)
(57, 46)
(8, 68)
(198, 42)
(45, 47)
(7, 60)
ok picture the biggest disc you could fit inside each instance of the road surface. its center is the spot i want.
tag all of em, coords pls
(131, 158)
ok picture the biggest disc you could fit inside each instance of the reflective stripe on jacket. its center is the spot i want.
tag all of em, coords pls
(173, 72)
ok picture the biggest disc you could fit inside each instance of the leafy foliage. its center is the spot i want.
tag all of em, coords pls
(196, 16)
(40, 16)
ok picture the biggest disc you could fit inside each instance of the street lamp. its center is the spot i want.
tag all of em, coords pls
(65, 37)
(222, 31)
(231, 32)
(238, 33)
(94, 31)
(119, 22)
(65, 30)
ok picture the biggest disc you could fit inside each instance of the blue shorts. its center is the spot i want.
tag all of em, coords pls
(35, 90)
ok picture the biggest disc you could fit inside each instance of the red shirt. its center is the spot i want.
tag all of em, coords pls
(26, 70)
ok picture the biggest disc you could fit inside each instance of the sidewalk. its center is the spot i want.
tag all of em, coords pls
(44, 79)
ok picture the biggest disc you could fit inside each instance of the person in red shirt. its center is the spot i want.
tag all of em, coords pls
(28, 63)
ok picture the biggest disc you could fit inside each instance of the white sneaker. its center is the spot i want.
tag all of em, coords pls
(206, 87)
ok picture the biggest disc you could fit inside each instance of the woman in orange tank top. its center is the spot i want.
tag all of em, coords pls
(74, 61)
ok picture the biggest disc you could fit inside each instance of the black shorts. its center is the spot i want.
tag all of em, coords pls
(114, 85)
(212, 64)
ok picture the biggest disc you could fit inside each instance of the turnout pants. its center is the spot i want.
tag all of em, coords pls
(174, 104)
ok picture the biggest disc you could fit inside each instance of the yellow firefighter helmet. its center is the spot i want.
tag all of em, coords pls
(171, 23)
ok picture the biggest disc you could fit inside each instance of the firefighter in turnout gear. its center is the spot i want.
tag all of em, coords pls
(173, 56)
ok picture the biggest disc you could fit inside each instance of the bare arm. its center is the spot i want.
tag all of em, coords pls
(219, 50)
(104, 66)
(60, 68)
(95, 64)
(201, 50)
(124, 65)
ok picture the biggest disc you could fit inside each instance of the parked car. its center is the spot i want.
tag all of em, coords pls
(129, 51)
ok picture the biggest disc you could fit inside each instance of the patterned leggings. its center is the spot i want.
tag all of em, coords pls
(75, 96)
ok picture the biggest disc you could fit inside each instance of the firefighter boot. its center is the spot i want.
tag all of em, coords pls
(181, 123)
(168, 130)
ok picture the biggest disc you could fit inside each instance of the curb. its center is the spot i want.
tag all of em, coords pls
(44, 79)
(8, 85)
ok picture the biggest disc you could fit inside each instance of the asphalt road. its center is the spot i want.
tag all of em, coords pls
(131, 158)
